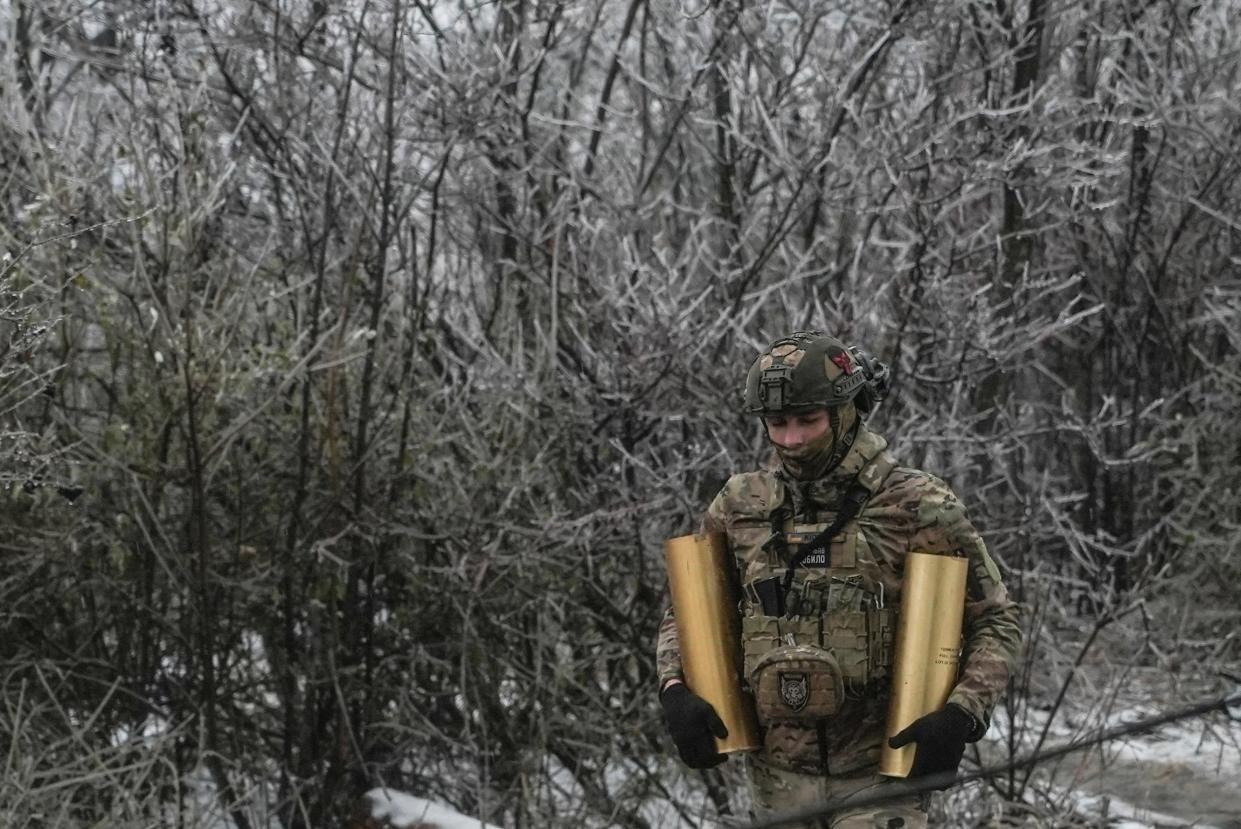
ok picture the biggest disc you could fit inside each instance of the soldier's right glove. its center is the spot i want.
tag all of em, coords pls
(694, 725)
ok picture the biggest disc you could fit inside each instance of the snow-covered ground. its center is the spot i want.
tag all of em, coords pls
(405, 811)
(1186, 773)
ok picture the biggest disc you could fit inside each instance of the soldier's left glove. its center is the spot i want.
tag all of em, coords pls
(941, 737)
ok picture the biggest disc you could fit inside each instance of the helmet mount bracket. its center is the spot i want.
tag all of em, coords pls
(773, 387)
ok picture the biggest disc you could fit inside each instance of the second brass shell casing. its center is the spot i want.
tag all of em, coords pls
(928, 648)
(704, 603)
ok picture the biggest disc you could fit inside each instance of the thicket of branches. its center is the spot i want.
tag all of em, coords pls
(387, 340)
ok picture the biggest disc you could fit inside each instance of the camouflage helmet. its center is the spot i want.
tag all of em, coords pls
(810, 370)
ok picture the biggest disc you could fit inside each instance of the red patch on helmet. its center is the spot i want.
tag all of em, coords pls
(841, 359)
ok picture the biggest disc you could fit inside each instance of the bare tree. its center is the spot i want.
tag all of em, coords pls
(393, 338)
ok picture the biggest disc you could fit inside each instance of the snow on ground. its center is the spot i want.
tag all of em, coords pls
(405, 811)
(1182, 774)
(1118, 814)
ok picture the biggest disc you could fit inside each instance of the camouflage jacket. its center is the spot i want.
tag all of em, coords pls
(910, 511)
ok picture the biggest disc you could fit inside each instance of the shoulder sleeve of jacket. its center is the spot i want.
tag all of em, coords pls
(748, 495)
(992, 629)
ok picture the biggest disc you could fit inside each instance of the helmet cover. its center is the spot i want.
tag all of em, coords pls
(804, 371)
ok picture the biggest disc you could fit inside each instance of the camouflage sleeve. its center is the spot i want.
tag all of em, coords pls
(992, 631)
(668, 649)
(667, 645)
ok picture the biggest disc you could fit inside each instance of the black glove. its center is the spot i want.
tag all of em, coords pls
(693, 724)
(941, 738)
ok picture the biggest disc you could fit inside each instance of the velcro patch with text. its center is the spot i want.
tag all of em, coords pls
(815, 558)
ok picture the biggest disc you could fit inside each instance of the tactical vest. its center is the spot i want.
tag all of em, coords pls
(826, 640)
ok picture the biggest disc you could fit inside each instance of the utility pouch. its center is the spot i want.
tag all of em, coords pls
(759, 636)
(845, 633)
(762, 634)
(797, 683)
(882, 635)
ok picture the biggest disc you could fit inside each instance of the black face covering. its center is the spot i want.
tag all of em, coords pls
(824, 453)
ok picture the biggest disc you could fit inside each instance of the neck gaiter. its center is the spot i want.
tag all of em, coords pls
(823, 454)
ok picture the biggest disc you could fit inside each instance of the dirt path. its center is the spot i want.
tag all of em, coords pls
(1150, 792)
(1186, 773)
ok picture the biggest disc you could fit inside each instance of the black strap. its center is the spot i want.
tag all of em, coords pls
(851, 504)
(821, 736)
(841, 443)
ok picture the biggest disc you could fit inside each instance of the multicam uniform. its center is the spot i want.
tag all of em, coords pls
(846, 605)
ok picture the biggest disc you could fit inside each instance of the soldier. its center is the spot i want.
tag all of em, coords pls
(823, 724)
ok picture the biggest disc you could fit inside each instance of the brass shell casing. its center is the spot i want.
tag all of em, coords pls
(704, 603)
(928, 648)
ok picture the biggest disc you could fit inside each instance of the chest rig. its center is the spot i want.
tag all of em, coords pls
(816, 630)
